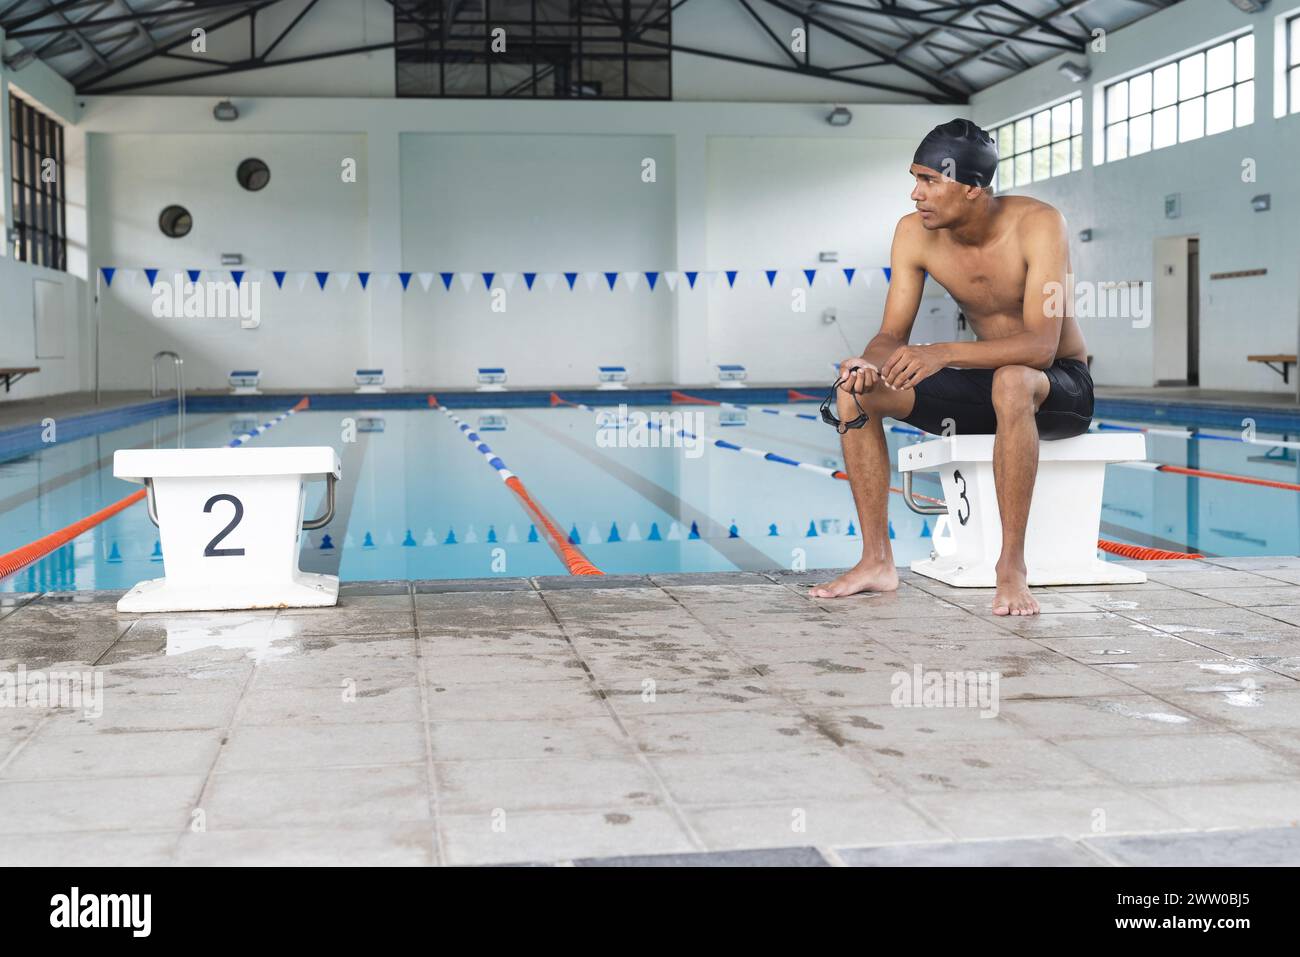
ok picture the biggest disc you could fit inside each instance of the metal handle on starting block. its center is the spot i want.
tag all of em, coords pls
(919, 508)
(308, 525)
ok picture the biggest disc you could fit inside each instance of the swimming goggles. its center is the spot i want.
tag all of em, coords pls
(829, 417)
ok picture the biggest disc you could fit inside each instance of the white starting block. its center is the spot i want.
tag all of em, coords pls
(369, 381)
(1064, 515)
(491, 379)
(731, 376)
(245, 381)
(611, 377)
(229, 522)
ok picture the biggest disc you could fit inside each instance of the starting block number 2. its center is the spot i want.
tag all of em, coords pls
(211, 551)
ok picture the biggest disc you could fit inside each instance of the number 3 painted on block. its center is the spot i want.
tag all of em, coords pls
(958, 477)
(212, 551)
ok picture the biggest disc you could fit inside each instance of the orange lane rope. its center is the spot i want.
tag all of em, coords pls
(574, 560)
(1224, 476)
(24, 555)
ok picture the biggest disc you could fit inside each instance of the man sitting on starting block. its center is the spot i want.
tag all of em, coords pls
(1005, 261)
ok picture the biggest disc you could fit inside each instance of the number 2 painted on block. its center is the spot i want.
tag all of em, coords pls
(212, 551)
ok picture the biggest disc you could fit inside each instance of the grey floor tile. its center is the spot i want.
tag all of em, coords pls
(457, 740)
(1167, 759)
(1266, 847)
(1033, 852)
(796, 776)
(551, 783)
(285, 747)
(401, 845)
(118, 804)
(550, 836)
(139, 848)
(117, 754)
(1237, 804)
(763, 857)
(1047, 812)
(337, 705)
(872, 819)
(324, 797)
(992, 765)
(463, 670)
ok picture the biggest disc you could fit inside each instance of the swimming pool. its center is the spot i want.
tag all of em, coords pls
(420, 501)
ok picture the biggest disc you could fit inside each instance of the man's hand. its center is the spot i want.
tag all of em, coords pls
(910, 365)
(858, 375)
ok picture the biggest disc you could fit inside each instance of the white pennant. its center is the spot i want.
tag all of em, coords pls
(508, 280)
(631, 278)
(302, 279)
(671, 278)
(591, 278)
(385, 280)
(345, 279)
(549, 278)
(425, 279)
(869, 275)
(466, 280)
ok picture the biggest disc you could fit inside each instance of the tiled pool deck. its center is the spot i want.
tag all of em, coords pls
(666, 719)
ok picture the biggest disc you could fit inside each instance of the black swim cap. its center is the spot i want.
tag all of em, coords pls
(961, 150)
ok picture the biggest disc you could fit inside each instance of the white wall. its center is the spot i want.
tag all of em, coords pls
(500, 186)
(1123, 204)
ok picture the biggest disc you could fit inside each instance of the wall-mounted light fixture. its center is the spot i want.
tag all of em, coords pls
(19, 60)
(1074, 72)
(225, 112)
(1085, 235)
(232, 259)
(1261, 203)
(840, 116)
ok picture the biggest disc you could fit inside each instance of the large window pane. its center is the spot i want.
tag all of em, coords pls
(1043, 128)
(1165, 131)
(1061, 121)
(1076, 153)
(1246, 103)
(1191, 119)
(1166, 85)
(1218, 66)
(1139, 94)
(1060, 157)
(1246, 57)
(1117, 101)
(1042, 162)
(1076, 114)
(1295, 41)
(1139, 135)
(1117, 141)
(1006, 174)
(1218, 111)
(1295, 91)
(1191, 76)
(1023, 141)
(1006, 141)
(1023, 169)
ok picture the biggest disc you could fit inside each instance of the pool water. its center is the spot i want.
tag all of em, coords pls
(419, 501)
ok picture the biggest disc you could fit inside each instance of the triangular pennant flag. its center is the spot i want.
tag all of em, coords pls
(811, 274)
(134, 275)
(194, 274)
(631, 279)
(278, 276)
(237, 275)
(671, 278)
(487, 279)
(611, 278)
(869, 277)
(446, 278)
(771, 278)
(529, 277)
(385, 280)
(888, 272)
(508, 280)
(690, 277)
(345, 280)
(848, 276)
(715, 278)
(406, 279)
(591, 278)
(152, 276)
(426, 279)
(551, 279)
(322, 278)
(466, 280)
(651, 278)
(731, 278)
(302, 280)
(364, 278)
(108, 272)
(569, 277)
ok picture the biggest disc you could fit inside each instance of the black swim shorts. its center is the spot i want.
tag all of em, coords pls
(965, 396)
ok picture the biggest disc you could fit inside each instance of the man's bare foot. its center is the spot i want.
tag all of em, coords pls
(1013, 596)
(861, 577)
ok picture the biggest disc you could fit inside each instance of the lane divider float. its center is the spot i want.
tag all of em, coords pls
(574, 560)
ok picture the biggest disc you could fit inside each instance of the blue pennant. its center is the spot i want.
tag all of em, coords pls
(237, 275)
(364, 277)
(278, 274)
(690, 278)
(405, 277)
(570, 277)
(151, 275)
(731, 278)
(487, 279)
(848, 274)
(771, 277)
(652, 278)
(611, 278)
(194, 274)
(811, 274)
(528, 279)
(108, 273)
(322, 278)
(446, 278)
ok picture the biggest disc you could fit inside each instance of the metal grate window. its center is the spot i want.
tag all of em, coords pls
(1045, 143)
(36, 165)
(546, 49)
(1201, 94)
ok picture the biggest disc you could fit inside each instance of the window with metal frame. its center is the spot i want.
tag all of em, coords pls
(1044, 143)
(545, 49)
(1292, 65)
(1200, 94)
(36, 171)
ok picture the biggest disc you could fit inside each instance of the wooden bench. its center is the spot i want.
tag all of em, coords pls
(12, 375)
(1284, 367)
